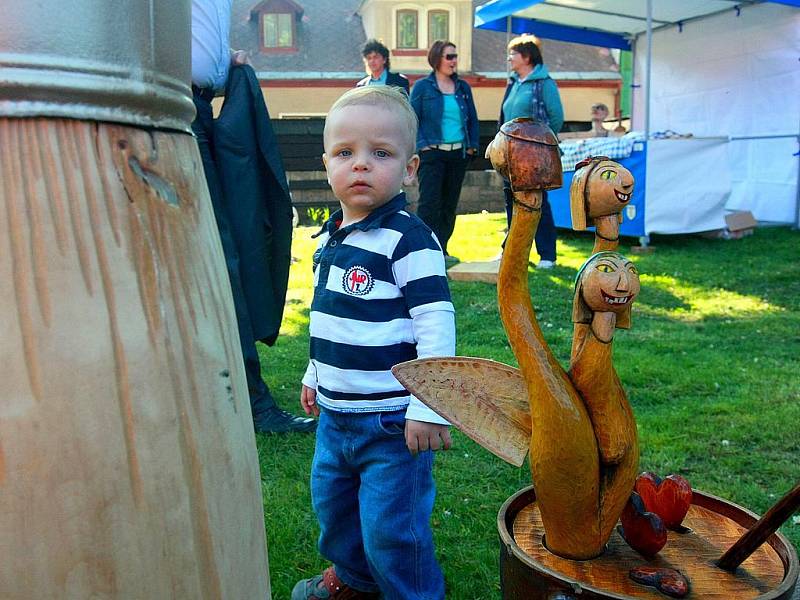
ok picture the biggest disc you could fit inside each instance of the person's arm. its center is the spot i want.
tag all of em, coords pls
(502, 118)
(416, 98)
(434, 332)
(308, 391)
(403, 82)
(473, 124)
(416, 103)
(419, 270)
(552, 103)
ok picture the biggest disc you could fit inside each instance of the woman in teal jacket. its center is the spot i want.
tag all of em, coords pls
(532, 94)
(446, 140)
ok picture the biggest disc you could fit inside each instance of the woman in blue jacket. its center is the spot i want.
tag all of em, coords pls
(531, 93)
(446, 140)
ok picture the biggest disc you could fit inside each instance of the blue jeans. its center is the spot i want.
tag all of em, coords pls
(374, 500)
(545, 237)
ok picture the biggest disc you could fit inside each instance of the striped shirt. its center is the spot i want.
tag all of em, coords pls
(380, 298)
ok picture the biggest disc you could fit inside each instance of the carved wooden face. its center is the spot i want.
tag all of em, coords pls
(608, 190)
(608, 283)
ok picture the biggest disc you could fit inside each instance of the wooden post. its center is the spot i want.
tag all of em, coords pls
(758, 533)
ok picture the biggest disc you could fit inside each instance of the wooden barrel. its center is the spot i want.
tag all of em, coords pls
(528, 571)
(128, 464)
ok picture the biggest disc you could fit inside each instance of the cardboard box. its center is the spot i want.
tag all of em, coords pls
(740, 220)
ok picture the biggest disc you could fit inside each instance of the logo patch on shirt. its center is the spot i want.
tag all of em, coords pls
(357, 281)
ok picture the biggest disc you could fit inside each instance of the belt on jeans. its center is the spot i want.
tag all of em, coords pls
(206, 94)
(456, 146)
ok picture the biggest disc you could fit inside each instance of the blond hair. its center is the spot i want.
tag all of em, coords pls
(388, 97)
(525, 38)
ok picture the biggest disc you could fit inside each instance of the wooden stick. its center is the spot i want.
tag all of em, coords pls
(761, 530)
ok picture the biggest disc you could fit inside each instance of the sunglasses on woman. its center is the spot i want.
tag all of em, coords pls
(451, 56)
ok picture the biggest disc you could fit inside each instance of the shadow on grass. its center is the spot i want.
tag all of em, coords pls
(737, 266)
(710, 367)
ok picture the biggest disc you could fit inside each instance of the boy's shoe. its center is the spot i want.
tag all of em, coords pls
(276, 420)
(329, 587)
(450, 260)
(545, 264)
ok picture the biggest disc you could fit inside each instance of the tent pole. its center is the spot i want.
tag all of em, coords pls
(797, 193)
(634, 85)
(508, 40)
(649, 62)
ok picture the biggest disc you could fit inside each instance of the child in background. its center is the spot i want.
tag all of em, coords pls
(380, 298)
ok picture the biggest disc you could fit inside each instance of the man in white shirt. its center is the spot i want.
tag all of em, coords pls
(211, 61)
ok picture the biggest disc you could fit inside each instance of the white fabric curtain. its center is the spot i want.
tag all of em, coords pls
(730, 76)
(682, 195)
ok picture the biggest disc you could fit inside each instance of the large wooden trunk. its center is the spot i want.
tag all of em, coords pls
(128, 466)
(528, 571)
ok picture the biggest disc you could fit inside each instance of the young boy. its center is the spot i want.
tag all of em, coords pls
(380, 298)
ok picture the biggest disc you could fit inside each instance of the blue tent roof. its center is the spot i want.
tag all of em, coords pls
(607, 23)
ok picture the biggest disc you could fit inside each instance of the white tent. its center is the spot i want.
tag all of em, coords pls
(727, 73)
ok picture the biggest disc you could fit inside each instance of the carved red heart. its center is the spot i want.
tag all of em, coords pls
(669, 498)
(644, 531)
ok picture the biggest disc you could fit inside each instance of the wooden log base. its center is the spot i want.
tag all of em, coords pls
(711, 531)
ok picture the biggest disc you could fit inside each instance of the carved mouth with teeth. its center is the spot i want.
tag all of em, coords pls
(616, 299)
(621, 197)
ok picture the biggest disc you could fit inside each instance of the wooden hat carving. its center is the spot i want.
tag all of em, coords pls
(533, 148)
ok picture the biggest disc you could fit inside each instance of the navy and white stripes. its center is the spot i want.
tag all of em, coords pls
(376, 283)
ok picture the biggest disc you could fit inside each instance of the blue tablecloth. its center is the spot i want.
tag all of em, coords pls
(634, 158)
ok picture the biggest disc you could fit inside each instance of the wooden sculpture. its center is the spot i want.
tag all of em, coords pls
(128, 464)
(579, 428)
(600, 189)
(582, 440)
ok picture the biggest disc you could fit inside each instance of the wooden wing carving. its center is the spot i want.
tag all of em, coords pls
(486, 400)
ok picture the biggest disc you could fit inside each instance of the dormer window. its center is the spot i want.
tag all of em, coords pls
(277, 30)
(277, 24)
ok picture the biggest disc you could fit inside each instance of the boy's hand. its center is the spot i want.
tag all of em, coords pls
(308, 400)
(421, 436)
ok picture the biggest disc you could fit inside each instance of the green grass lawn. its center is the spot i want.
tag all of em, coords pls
(710, 365)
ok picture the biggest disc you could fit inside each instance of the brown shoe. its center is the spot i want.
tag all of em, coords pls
(329, 587)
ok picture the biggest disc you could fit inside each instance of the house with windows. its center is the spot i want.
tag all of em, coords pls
(306, 53)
